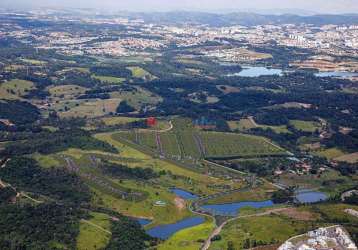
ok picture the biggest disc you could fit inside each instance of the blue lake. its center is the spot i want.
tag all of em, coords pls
(257, 71)
(184, 194)
(165, 231)
(308, 196)
(336, 74)
(234, 208)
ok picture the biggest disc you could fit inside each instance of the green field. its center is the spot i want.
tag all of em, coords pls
(247, 124)
(111, 121)
(138, 98)
(260, 193)
(15, 89)
(189, 239)
(230, 145)
(170, 141)
(242, 125)
(159, 189)
(306, 126)
(92, 236)
(109, 79)
(138, 72)
(86, 108)
(269, 229)
(330, 153)
(350, 158)
(66, 91)
(186, 142)
(33, 61)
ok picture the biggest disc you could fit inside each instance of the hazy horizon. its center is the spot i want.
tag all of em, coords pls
(313, 6)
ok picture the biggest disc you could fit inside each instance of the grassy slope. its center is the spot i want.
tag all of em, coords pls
(15, 89)
(306, 126)
(187, 239)
(91, 237)
(265, 228)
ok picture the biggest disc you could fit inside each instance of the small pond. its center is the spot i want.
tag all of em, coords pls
(183, 194)
(309, 196)
(232, 209)
(165, 231)
(257, 71)
(336, 74)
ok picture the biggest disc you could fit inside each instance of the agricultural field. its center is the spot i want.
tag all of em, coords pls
(330, 153)
(109, 79)
(13, 67)
(138, 72)
(33, 62)
(148, 139)
(186, 142)
(305, 126)
(150, 192)
(242, 125)
(277, 129)
(76, 69)
(218, 144)
(350, 158)
(66, 91)
(247, 124)
(157, 190)
(171, 147)
(259, 193)
(86, 108)
(190, 61)
(15, 89)
(118, 120)
(137, 98)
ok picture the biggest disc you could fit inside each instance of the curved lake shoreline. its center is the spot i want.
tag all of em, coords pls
(165, 231)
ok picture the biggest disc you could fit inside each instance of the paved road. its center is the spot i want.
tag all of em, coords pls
(160, 131)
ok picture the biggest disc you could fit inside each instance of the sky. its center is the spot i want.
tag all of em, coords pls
(314, 6)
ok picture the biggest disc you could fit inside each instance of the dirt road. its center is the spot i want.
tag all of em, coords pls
(217, 230)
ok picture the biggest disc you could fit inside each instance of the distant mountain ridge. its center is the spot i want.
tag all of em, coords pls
(244, 18)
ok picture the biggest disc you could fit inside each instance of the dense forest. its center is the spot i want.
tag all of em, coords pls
(127, 234)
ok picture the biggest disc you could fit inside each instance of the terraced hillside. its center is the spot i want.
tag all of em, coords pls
(186, 142)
